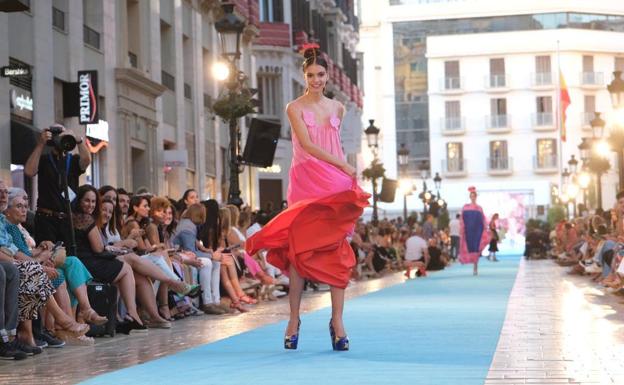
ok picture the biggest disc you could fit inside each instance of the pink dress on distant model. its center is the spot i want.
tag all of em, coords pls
(323, 205)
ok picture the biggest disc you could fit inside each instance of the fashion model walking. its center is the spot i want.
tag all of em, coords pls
(309, 239)
(474, 234)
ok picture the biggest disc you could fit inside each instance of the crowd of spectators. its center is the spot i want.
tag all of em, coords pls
(168, 259)
(591, 245)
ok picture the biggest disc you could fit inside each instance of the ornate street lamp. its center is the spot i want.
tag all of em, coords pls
(597, 125)
(372, 134)
(566, 175)
(376, 169)
(437, 181)
(584, 179)
(585, 149)
(230, 28)
(616, 90)
(573, 163)
(616, 139)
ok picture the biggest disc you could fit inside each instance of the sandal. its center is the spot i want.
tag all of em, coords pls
(248, 300)
(162, 314)
(73, 328)
(238, 306)
(92, 317)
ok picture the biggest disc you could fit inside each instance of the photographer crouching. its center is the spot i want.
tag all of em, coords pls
(52, 222)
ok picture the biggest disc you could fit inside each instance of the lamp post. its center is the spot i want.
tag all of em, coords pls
(566, 175)
(573, 164)
(372, 136)
(583, 180)
(616, 138)
(230, 28)
(437, 181)
(592, 156)
(403, 156)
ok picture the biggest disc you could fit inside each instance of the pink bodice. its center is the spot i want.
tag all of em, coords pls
(326, 136)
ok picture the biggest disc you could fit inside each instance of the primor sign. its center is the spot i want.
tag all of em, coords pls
(88, 97)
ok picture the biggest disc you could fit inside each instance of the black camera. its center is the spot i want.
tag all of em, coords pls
(63, 143)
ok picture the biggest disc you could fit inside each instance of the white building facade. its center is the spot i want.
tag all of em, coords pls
(471, 87)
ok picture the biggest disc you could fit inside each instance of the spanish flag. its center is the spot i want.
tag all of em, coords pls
(564, 103)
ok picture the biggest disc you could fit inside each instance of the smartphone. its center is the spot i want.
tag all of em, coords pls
(227, 250)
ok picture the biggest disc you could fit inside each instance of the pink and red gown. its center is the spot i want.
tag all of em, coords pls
(474, 233)
(323, 205)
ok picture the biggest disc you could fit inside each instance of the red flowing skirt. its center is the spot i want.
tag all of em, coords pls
(311, 236)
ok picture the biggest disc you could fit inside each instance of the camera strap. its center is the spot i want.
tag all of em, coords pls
(68, 159)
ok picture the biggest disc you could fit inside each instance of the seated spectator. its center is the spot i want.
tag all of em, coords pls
(437, 261)
(189, 197)
(151, 263)
(231, 269)
(212, 238)
(237, 238)
(70, 271)
(206, 263)
(9, 280)
(416, 252)
(103, 265)
(123, 198)
(35, 289)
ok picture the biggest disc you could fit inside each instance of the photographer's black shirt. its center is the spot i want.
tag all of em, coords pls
(49, 183)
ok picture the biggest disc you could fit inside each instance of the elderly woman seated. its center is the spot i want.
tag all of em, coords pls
(70, 272)
(36, 290)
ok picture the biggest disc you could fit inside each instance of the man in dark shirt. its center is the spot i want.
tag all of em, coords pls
(51, 218)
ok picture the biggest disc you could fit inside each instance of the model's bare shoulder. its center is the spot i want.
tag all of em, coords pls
(339, 108)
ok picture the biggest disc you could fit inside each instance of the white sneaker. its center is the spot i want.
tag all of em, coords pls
(593, 268)
(282, 280)
(279, 293)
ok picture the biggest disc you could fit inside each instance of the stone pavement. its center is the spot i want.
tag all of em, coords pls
(73, 364)
(559, 329)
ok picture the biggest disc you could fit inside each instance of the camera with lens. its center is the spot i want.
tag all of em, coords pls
(63, 143)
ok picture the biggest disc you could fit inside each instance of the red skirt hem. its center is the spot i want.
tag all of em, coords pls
(311, 236)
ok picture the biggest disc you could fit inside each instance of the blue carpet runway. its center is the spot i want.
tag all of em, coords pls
(442, 329)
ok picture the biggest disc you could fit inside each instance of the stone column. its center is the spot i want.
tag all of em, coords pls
(5, 110)
(177, 176)
(198, 102)
(43, 76)
(155, 69)
(122, 32)
(75, 59)
(111, 172)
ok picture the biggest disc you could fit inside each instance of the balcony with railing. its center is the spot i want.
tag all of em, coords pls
(500, 165)
(496, 82)
(545, 164)
(274, 34)
(498, 123)
(542, 79)
(451, 84)
(592, 79)
(454, 168)
(543, 121)
(453, 125)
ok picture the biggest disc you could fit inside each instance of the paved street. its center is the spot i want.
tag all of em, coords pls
(559, 329)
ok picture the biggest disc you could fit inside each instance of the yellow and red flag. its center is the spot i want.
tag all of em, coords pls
(564, 98)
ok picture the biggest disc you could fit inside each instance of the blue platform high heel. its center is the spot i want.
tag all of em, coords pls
(338, 343)
(290, 342)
